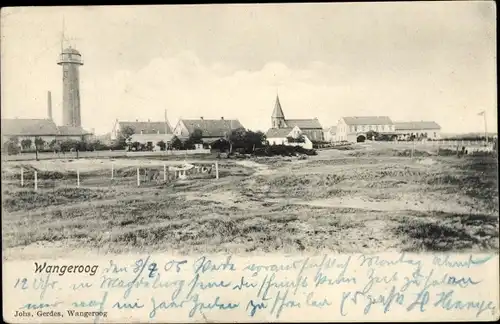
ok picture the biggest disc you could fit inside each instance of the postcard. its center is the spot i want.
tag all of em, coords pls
(306, 162)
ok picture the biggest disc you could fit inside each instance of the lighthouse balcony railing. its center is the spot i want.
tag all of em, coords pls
(63, 58)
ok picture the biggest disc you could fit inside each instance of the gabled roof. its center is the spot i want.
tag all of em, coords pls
(278, 112)
(416, 125)
(368, 120)
(278, 132)
(148, 127)
(212, 127)
(331, 130)
(29, 127)
(304, 123)
(72, 131)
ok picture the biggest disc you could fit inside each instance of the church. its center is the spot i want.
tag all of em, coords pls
(309, 127)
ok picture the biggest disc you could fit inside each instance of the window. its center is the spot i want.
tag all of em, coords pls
(355, 128)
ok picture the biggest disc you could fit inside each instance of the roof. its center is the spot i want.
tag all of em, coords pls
(151, 137)
(212, 127)
(278, 132)
(70, 50)
(416, 125)
(331, 130)
(368, 120)
(277, 112)
(304, 123)
(148, 127)
(72, 130)
(29, 127)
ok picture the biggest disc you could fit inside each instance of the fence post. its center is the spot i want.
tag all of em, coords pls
(22, 176)
(164, 172)
(36, 181)
(78, 178)
(138, 178)
(216, 170)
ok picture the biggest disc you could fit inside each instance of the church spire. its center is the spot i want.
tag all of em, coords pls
(278, 118)
(278, 112)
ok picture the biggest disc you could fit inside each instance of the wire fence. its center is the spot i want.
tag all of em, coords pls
(125, 176)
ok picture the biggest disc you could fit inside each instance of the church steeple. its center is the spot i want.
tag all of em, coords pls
(278, 118)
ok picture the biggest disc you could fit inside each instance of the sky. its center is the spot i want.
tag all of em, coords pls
(408, 60)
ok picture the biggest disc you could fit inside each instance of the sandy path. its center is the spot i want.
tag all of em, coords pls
(393, 205)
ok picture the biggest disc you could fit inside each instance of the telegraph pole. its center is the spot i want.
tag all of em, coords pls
(485, 128)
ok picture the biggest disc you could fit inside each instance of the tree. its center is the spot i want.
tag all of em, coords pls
(254, 140)
(162, 145)
(236, 137)
(12, 145)
(372, 135)
(123, 135)
(196, 137)
(136, 146)
(55, 146)
(176, 143)
(26, 144)
(39, 144)
(220, 144)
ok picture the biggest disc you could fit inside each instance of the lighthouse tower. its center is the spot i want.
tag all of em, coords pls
(71, 59)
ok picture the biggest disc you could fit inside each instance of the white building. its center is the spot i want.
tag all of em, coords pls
(330, 134)
(283, 136)
(355, 129)
(419, 129)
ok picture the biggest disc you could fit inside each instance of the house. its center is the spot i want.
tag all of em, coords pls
(151, 139)
(211, 129)
(355, 129)
(419, 129)
(30, 129)
(310, 127)
(284, 136)
(143, 127)
(330, 133)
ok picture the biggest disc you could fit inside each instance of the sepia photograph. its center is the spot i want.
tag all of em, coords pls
(250, 163)
(249, 128)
